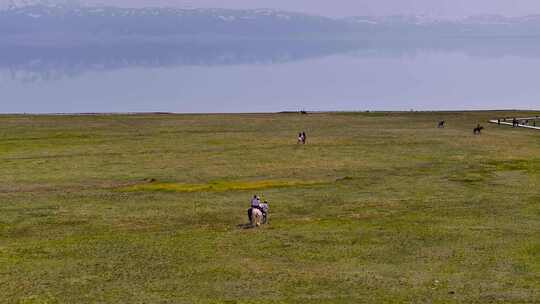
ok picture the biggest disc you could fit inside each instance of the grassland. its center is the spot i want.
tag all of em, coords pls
(377, 208)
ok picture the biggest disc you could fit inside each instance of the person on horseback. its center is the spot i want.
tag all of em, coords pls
(255, 202)
(264, 208)
(478, 130)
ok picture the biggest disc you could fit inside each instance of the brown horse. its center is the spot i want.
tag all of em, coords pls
(478, 130)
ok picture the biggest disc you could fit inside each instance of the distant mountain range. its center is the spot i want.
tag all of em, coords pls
(103, 21)
(42, 21)
(473, 26)
(42, 40)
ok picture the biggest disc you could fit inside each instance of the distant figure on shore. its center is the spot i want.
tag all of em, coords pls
(302, 138)
(478, 130)
(515, 122)
(441, 124)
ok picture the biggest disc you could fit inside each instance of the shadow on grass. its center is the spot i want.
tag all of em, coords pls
(245, 226)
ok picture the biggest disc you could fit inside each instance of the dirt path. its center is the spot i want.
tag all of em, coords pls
(506, 123)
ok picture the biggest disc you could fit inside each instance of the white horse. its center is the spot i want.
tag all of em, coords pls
(256, 217)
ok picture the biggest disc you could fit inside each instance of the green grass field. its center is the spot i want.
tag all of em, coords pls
(377, 208)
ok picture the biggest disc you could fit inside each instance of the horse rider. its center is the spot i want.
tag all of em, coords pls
(264, 208)
(255, 202)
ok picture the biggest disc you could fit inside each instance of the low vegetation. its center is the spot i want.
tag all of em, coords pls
(377, 207)
(215, 186)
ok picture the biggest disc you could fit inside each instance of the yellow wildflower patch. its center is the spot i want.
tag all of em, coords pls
(217, 186)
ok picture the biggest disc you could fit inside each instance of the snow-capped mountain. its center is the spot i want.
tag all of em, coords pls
(71, 19)
(427, 20)
(51, 38)
(10, 4)
(477, 26)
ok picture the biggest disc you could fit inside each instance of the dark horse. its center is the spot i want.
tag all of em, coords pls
(441, 124)
(478, 130)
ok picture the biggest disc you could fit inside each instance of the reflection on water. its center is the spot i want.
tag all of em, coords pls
(51, 62)
(246, 76)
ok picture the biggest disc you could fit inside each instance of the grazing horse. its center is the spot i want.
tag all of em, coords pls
(441, 124)
(478, 130)
(256, 217)
(300, 138)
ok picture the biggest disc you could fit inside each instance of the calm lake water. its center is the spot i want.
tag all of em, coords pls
(256, 76)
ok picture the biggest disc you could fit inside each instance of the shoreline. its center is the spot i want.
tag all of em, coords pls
(262, 113)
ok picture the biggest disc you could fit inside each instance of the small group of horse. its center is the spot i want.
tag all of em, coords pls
(525, 122)
(476, 131)
(258, 212)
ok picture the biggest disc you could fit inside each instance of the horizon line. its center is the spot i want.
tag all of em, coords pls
(256, 113)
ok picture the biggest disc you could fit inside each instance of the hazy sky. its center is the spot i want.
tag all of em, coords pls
(364, 7)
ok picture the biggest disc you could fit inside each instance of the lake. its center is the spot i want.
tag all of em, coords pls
(271, 76)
